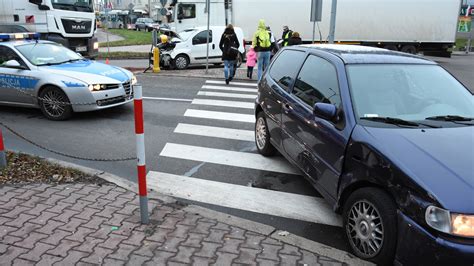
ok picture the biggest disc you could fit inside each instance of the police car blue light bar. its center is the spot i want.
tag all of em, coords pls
(19, 36)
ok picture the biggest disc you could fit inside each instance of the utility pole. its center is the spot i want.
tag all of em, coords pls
(332, 27)
(208, 10)
(149, 9)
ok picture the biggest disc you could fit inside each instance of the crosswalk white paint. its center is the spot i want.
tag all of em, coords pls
(227, 95)
(232, 83)
(236, 117)
(215, 132)
(293, 206)
(233, 104)
(225, 157)
(226, 88)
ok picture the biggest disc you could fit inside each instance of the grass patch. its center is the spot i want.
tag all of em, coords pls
(23, 168)
(131, 38)
(460, 44)
(124, 55)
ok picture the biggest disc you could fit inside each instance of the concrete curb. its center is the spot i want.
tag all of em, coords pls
(260, 228)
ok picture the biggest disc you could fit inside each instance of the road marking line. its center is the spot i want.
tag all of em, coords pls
(232, 83)
(233, 104)
(167, 99)
(215, 132)
(288, 205)
(220, 115)
(226, 157)
(225, 88)
(227, 95)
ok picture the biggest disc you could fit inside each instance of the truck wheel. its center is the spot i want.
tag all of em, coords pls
(391, 47)
(55, 104)
(409, 49)
(370, 222)
(262, 136)
(181, 62)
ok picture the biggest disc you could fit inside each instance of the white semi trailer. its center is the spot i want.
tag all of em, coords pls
(412, 26)
(69, 22)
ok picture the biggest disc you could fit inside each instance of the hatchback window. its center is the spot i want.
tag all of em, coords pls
(317, 82)
(286, 65)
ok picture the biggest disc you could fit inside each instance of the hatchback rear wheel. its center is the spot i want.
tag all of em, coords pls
(369, 218)
(262, 136)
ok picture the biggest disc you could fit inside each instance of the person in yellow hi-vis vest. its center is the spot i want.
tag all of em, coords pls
(287, 33)
(262, 45)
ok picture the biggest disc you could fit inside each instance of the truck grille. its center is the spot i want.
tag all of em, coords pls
(73, 26)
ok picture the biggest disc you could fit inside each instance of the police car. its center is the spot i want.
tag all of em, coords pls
(46, 75)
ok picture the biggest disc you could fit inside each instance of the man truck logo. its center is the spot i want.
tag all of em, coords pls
(78, 27)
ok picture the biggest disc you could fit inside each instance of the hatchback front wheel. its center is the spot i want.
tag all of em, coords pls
(369, 219)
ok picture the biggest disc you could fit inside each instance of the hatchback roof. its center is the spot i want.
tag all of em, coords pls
(356, 54)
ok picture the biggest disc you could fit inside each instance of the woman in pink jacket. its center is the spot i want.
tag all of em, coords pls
(251, 61)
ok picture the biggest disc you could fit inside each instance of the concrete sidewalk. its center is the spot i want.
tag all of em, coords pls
(133, 48)
(94, 224)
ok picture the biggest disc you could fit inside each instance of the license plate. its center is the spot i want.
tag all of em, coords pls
(81, 49)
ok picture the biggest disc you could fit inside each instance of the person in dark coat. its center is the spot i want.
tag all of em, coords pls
(229, 46)
(295, 39)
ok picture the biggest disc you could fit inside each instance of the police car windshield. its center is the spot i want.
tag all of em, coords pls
(43, 54)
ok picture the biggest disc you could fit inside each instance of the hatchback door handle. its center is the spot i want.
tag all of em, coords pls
(287, 108)
(213, 46)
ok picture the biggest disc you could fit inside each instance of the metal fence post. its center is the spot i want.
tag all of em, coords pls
(140, 138)
(3, 158)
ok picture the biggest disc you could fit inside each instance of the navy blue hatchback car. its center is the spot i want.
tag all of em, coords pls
(387, 138)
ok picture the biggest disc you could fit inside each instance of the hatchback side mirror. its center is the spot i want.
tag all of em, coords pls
(13, 64)
(326, 111)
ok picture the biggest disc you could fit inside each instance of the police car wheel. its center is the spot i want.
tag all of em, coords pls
(55, 104)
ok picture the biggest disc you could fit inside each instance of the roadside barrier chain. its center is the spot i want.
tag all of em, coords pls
(58, 152)
(57, 102)
(14, 132)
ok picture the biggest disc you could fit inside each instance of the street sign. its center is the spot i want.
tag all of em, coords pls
(316, 10)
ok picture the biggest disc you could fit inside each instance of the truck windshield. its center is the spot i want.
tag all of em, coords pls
(408, 92)
(74, 5)
(44, 54)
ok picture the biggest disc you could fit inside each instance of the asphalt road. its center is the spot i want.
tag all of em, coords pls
(204, 163)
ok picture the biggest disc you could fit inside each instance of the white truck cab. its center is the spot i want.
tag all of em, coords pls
(69, 22)
(191, 47)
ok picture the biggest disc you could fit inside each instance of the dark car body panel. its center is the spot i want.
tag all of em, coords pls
(338, 157)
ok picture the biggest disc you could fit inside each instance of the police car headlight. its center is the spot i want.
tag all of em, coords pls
(134, 80)
(96, 87)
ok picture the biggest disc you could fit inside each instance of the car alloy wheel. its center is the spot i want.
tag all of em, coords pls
(261, 133)
(370, 221)
(262, 136)
(55, 104)
(181, 62)
(365, 228)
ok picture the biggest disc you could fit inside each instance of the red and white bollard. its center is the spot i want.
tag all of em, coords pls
(141, 166)
(3, 158)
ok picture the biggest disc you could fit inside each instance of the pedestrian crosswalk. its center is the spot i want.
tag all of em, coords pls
(217, 131)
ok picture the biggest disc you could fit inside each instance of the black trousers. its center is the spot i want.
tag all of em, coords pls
(249, 72)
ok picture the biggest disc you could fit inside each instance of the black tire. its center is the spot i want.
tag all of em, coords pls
(386, 209)
(48, 102)
(391, 47)
(409, 49)
(262, 136)
(181, 62)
